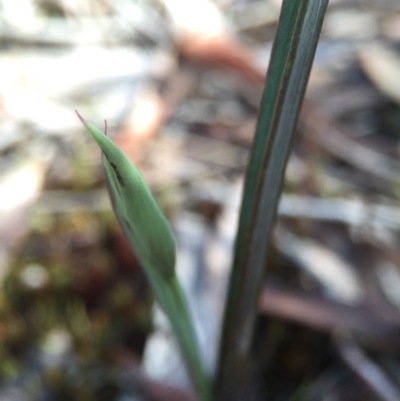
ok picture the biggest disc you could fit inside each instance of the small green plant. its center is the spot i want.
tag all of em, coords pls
(149, 233)
(151, 237)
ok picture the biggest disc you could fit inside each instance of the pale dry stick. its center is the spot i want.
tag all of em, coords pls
(367, 370)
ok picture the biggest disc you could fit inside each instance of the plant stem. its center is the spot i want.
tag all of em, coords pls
(173, 302)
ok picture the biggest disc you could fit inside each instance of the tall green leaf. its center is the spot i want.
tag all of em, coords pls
(291, 60)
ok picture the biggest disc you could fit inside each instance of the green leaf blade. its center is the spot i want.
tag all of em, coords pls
(292, 56)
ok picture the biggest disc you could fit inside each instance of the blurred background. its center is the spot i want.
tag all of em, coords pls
(179, 84)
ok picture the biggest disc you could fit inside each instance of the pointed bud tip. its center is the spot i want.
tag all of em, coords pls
(80, 117)
(85, 122)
